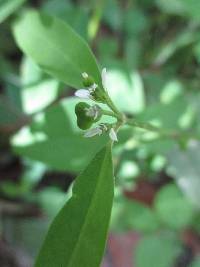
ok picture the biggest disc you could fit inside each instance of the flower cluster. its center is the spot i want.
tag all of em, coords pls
(91, 90)
(86, 114)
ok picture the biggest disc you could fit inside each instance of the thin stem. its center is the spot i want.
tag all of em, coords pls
(163, 132)
(110, 113)
(121, 120)
(112, 106)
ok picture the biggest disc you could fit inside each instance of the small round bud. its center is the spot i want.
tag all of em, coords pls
(87, 115)
(98, 95)
(88, 82)
(84, 122)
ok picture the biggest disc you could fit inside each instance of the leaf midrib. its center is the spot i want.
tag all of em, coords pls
(90, 206)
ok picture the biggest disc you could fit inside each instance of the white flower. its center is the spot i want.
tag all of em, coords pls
(104, 78)
(113, 135)
(86, 93)
(83, 93)
(94, 131)
(93, 111)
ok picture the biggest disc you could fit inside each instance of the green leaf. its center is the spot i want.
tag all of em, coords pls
(184, 167)
(8, 7)
(132, 215)
(140, 21)
(157, 251)
(185, 8)
(78, 234)
(126, 90)
(61, 52)
(196, 262)
(76, 16)
(54, 138)
(38, 90)
(165, 115)
(173, 208)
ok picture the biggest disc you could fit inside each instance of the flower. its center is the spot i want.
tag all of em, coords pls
(90, 86)
(86, 93)
(94, 131)
(113, 135)
(83, 93)
(93, 112)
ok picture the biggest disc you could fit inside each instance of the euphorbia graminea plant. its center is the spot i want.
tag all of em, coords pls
(77, 236)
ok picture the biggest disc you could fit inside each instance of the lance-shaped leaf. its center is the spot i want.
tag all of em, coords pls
(55, 47)
(78, 234)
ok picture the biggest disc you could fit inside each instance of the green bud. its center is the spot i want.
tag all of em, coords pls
(87, 115)
(84, 122)
(94, 112)
(87, 82)
(98, 95)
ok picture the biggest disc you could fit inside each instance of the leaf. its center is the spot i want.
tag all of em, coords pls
(173, 208)
(75, 15)
(184, 167)
(37, 91)
(195, 262)
(186, 8)
(126, 90)
(113, 14)
(61, 52)
(166, 115)
(8, 7)
(140, 21)
(54, 138)
(132, 215)
(157, 251)
(182, 40)
(77, 236)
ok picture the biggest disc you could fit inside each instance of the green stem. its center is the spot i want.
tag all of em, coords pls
(163, 132)
(112, 106)
(110, 113)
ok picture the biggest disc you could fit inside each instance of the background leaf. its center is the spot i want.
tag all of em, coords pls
(62, 53)
(173, 208)
(157, 251)
(38, 90)
(8, 7)
(77, 236)
(54, 138)
(184, 167)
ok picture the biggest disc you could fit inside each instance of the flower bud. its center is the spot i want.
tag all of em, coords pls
(94, 112)
(88, 81)
(87, 115)
(83, 121)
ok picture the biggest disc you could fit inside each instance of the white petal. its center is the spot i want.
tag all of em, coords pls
(83, 93)
(92, 132)
(104, 78)
(84, 75)
(113, 135)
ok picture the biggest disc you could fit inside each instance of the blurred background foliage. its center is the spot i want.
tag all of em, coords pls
(151, 49)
